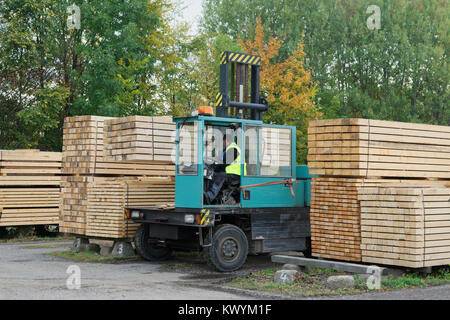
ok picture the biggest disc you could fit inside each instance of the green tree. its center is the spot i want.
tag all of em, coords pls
(48, 72)
(399, 72)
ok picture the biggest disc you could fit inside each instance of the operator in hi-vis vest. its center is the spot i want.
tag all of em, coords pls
(229, 170)
(232, 156)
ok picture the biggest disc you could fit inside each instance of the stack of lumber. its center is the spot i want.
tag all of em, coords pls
(335, 218)
(140, 138)
(107, 198)
(356, 160)
(73, 204)
(337, 213)
(94, 206)
(83, 152)
(407, 227)
(94, 188)
(29, 187)
(375, 148)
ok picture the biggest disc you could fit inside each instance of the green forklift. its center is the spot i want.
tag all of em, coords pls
(238, 190)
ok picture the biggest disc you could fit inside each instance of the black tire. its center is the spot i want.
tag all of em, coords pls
(148, 248)
(229, 249)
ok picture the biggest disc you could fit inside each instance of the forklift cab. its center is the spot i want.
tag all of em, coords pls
(267, 158)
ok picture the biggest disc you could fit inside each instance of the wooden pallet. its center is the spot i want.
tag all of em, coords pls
(139, 138)
(407, 227)
(374, 148)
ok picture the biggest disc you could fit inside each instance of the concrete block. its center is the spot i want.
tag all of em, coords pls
(80, 244)
(324, 264)
(123, 249)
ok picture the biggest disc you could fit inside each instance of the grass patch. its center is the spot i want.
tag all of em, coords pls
(92, 256)
(313, 282)
(306, 284)
(440, 276)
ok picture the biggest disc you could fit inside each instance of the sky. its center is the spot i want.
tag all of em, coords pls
(192, 12)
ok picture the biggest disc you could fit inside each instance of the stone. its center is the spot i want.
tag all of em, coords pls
(285, 276)
(80, 244)
(123, 249)
(105, 250)
(291, 267)
(340, 282)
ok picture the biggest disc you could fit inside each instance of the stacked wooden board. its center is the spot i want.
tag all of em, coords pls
(404, 226)
(29, 187)
(74, 204)
(337, 226)
(353, 156)
(94, 187)
(335, 218)
(107, 198)
(83, 152)
(375, 148)
(140, 138)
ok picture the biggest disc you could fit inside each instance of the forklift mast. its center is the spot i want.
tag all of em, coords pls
(240, 72)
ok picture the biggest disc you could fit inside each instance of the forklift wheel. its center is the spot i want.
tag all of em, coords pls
(148, 248)
(228, 250)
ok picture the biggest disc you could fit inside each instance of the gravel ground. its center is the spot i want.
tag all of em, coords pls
(30, 274)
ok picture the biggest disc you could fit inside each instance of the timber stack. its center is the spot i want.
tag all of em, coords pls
(94, 186)
(140, 138)
(378, 195)
(29, 187)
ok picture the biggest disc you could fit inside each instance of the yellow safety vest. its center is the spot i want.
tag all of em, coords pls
(235, 166)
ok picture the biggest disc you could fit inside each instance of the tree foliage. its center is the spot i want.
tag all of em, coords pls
(400, 72)
(111, 66)
(287, 86)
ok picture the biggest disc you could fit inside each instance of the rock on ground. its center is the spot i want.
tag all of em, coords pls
(289, 266)
(285, 276)
(340, 282)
